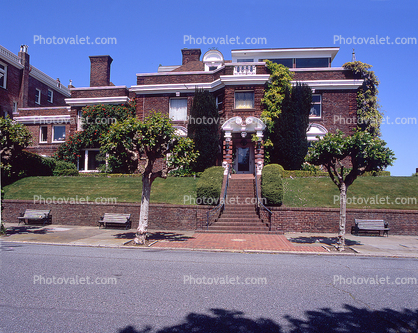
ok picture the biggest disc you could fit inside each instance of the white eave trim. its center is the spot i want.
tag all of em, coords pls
(97, 100)
(43, 120)
(40, 108)
(224, 80)
(332, 84)
(98, 88)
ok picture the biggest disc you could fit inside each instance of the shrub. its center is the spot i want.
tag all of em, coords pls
(271, 184)
(65, 169)
(32, 165)
(415, 174)
(209, 185)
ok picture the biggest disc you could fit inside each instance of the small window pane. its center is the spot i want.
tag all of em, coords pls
(284, 62)
(50, 96)
(244, 100)
(245, 60)
(38, 96)
(44, 134)
(59, 133)
(178, 109)
(311, 62)
(315, 110)
(316, 99)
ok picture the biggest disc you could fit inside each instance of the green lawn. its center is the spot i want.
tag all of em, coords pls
(299, 192)
(365, 192)
(125, 189)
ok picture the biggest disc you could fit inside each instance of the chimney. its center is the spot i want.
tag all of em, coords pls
(100, 70)
(190, 55)
(24, 84)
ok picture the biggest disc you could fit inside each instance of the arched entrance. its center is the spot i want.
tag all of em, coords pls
(239, 150)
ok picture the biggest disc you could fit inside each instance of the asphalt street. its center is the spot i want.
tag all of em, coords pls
(50, 288)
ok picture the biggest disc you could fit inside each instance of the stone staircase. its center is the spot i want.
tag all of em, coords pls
(239, 215)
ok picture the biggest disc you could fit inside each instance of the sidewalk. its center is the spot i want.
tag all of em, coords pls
(393, 246)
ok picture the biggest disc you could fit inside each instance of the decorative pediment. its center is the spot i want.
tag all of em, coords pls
(238, 125)
(315, 130)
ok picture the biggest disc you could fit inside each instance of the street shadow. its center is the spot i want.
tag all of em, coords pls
(349, 320)
(321, 240)
(218, 321)
(158, 235)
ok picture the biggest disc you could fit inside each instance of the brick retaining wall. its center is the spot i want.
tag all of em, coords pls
(401, 222)
(186, 217)
(162, 216)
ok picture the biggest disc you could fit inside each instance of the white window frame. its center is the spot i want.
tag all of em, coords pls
(3, 73)
(38, 97)
(86, 160)
(320, 107)
(182, 117)
(53, 133)
(79, 120)
(52, 96)
(241, 92)
(40, 134)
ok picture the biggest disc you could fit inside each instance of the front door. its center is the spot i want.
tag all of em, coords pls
(244, 157)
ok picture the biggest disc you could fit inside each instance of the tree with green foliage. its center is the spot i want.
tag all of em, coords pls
(96, 121)
(369, 116)
(14, 138)
(203, 129)
(364, 151)
(274, 95)
(290, 143)
(147, 143)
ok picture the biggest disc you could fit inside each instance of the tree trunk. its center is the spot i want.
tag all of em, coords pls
(141, 231)
(343, 217)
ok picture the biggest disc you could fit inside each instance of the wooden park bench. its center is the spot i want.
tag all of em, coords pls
(115, 219)
(35, 215)
(371, 226)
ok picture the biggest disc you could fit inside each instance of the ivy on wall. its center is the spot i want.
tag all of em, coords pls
(96, 121)
(369, 116)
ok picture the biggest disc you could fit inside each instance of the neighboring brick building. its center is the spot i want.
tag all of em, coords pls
(35, 99)
(238, 86)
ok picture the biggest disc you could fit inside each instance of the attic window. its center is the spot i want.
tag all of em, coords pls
(213, 59)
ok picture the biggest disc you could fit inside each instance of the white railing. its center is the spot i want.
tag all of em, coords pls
(9, 55)
(244, 70)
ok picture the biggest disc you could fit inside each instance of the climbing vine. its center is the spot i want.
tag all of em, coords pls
(96, 121)
(369, 116)
(279, 83)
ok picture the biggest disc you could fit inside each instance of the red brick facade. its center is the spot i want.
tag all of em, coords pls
(153, 92)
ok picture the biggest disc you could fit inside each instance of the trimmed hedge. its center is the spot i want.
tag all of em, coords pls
(209, 186)
(272, 185)
(65, 169)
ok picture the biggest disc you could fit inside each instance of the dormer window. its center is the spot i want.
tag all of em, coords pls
(213, 59)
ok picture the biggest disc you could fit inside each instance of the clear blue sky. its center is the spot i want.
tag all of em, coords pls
(150, 33)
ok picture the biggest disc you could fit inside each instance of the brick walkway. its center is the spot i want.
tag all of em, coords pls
(238, 242)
